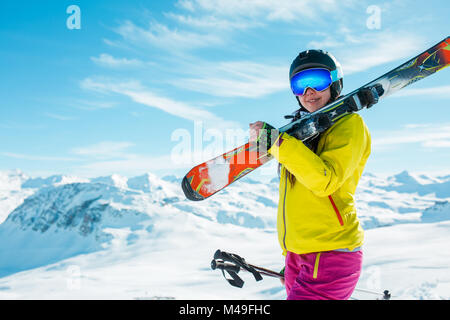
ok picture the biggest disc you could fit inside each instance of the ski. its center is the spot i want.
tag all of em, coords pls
(209, 177)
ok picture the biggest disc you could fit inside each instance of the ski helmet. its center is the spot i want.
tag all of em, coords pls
(319, 59)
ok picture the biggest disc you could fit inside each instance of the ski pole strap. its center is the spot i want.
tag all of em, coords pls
(231, 264)
(236, 281)
(232, 271)
(234, 258)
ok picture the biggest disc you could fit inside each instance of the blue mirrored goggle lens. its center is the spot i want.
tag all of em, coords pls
(318, 79)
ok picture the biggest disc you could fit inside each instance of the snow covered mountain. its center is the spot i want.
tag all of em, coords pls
(143, 231)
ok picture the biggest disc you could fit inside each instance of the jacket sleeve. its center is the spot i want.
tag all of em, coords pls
(325, 172)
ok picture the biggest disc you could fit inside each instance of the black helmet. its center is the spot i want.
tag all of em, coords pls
(319, 59)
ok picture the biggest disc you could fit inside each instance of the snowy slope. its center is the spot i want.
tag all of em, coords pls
(12, 192)
(62, 221)
(123, 238)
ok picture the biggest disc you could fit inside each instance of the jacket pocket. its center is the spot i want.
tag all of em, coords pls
(336, 210)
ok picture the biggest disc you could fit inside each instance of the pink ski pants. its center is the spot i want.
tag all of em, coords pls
(329, 275)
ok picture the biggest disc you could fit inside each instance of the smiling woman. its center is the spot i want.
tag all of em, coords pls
(321, 73)
(318, 229)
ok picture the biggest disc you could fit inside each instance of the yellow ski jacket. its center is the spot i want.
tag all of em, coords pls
(318, 212)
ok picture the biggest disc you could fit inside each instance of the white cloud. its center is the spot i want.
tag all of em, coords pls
(59, 117)
(434, 92)
(104, 150)
(211, 22)
(236, 79)
(35, 157)
(91, 105)
(426, 135)
(374, 50)
(163, 37)
(139, 94)
(328, 42)
(437, 144)
(186, 4)
(207, 23)
(115, 156)
(109, 61)
(358, 52)
(131, 165)
(270, 10)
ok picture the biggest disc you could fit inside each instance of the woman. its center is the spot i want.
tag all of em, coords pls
(318, 229)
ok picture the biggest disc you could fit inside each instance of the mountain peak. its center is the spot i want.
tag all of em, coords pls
(114, 180)
(405, 178)
(54, 180)
(146, 182)
(12, 179)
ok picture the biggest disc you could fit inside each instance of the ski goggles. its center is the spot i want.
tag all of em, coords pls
(318, 79)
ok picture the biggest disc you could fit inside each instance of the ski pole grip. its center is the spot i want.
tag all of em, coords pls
(224, 266)
(225, 256)
(218, 254)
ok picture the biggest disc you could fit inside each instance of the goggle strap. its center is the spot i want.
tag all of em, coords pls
(334, 75)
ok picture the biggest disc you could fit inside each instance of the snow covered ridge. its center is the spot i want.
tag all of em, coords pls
(45, 221)
(380, 201)
(78, 206)
(402, 198)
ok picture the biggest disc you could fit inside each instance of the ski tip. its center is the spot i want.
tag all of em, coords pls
(190, 193)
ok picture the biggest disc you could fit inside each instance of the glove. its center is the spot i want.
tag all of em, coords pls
(370, 96)
(282, 279)
(266, 135)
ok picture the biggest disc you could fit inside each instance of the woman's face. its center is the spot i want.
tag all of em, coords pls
(313, 100)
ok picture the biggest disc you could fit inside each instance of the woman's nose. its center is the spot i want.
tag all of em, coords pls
(309, 91)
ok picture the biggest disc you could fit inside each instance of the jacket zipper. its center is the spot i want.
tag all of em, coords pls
(338, 214)
(316, 265)
(284, 211)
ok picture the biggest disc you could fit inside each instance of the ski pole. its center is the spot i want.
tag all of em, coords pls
(386, 295)
(234, 258)
(267, 272)
(232, 264)
(238, 261)
(217, 264)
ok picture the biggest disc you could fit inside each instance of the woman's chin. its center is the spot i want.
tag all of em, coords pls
(313, 107)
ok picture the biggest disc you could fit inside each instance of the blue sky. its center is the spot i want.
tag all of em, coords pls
(160, 85)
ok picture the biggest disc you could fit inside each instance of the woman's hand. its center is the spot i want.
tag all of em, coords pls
(263, 134)
(254, 130)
